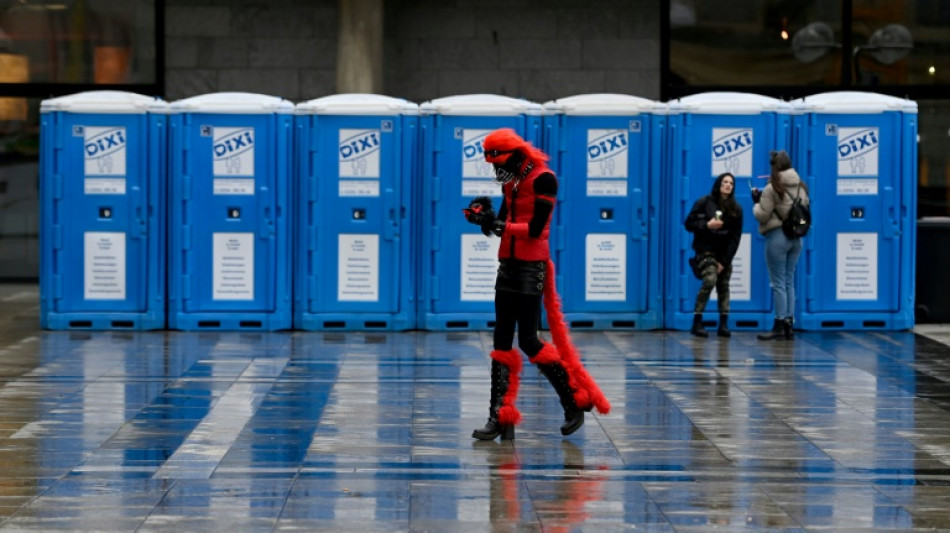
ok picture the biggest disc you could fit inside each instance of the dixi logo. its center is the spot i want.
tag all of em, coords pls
(472, 150)
(106, 143)
(858, 143)
(606, 146)
(359, 145)
(234, 144)
(733, 144)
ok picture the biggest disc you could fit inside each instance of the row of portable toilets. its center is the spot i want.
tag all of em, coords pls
(235, 211)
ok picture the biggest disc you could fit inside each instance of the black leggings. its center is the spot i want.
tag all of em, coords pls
(522, 309)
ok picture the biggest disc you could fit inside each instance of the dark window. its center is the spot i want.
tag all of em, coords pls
(51, 48)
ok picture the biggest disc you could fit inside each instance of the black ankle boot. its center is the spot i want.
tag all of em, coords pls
(697, 328)
(787, 329)
(723, 330)
(573, 415)
(499, 386)
(777, 333)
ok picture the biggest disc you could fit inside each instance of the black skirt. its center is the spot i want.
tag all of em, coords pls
(524, 277)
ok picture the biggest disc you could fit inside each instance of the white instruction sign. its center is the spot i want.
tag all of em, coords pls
(613, 187)
(479, 267)
(358, 268)
(358, 188)
(857, 187)
(740, 284)
(234, 186)
(104, 266)
(104, 186)
(480, 188)
(857, 266)
(233, 264)
(606, 268)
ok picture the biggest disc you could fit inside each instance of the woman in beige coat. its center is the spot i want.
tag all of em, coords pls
(771, 207)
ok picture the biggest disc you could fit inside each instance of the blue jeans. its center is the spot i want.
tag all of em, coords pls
(781, 256)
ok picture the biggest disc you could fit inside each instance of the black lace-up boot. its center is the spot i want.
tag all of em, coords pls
(573, 415)
(499, 386)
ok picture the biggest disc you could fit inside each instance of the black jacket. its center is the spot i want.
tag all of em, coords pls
(722, 242)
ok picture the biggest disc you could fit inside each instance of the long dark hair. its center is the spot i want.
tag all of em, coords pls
(727, 203)
(779, 161)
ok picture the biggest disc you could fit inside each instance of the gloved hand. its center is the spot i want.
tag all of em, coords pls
(481, 213)
(756, 195)
(497, 227)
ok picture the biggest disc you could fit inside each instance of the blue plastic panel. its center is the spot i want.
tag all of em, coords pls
(354, 204)
(457, 263)
(102, 224)
(230, 263)
(607, 235)
(703, 144)
(857, 268)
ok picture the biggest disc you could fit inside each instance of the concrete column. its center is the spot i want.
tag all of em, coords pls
(359, 66)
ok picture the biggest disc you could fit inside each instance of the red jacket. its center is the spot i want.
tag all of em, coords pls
(519, 210)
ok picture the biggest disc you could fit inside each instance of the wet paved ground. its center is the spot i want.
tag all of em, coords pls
(172, 431)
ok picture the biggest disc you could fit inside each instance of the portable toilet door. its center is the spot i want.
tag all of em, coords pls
(355, 162)
(102, 234)
(713, 133)
(859, 160)
(230, 267)
(458, 264)
(602, 148)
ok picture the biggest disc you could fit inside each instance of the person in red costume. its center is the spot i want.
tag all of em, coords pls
(525, 277)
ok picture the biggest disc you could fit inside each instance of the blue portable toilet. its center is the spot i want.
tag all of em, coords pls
(712, 133)
(102, 202)
(607, 150)
(458, 264)
(857, 152)
(354, 204)
(229, 261)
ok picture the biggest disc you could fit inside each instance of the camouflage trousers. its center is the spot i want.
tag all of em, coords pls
(717, 280)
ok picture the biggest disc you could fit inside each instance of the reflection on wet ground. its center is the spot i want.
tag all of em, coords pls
(172, 431)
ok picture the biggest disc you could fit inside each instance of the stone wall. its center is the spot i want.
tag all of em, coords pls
(533, 49)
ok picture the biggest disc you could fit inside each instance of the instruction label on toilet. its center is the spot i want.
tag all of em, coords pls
(104, 266)
(479, 268)
(857, 266)
(606, 269)
(358, 268)
(233, 264)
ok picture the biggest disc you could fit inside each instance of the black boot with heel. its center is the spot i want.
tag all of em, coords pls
(697, 329)
(787, 328)
(499, 386)
(573, 415)
(723, 330)
(777, 333)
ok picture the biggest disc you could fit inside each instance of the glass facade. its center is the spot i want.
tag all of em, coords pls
(51, 48)
(793, 48)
